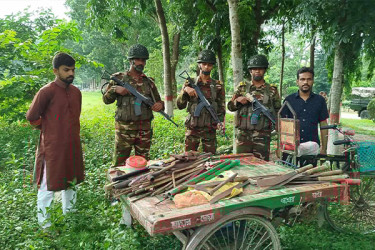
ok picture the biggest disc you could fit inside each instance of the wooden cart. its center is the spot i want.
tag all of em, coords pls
(243, 222)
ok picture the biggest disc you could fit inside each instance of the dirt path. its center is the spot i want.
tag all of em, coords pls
(359, 137)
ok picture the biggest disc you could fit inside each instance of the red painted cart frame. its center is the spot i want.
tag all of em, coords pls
(165, 218)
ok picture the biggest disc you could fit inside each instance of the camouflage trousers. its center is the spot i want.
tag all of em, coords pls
(207, 136)
(256, 142)
(125, 140)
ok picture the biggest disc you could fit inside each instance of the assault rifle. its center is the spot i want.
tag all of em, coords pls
(139, 97)
(202, 102)
(257, 109)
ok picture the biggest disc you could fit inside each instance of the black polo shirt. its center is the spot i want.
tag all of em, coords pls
(310, 113)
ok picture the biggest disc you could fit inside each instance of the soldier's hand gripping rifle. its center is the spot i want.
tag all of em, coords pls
(257, 109)
(139, 97)
(202, 102)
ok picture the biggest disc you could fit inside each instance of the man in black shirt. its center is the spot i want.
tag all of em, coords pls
(310, 108)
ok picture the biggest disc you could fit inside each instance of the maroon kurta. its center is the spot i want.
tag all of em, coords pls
(59, 108)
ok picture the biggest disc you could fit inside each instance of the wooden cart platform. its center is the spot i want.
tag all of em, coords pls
(166, 218)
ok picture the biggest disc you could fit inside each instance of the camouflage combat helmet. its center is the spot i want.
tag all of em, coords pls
(206, 56)
(257, 61)
(138, 51)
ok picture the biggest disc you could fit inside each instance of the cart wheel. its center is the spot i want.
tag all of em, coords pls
(359, 215)
(236, 230)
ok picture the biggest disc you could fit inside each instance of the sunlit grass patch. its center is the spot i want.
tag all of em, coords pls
(366, 127)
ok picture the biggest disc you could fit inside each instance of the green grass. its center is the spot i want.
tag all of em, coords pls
(310, 236)
(365, 127)
(96, 225)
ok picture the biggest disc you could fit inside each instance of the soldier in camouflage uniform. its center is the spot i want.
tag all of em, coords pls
(254, 138)
(131, 130)
(202, 128)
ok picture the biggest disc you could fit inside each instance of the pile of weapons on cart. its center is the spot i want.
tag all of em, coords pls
(170, 176)
(302, 176)
(191, 170)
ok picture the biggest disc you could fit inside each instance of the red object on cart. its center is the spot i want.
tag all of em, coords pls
(135, 163)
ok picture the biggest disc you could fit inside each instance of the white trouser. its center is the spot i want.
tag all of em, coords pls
(45, 199)
(126, 217)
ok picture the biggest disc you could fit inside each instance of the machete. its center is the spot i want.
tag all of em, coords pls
(273, 181)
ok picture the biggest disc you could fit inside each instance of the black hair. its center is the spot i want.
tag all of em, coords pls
(304, 70)
(62, 59)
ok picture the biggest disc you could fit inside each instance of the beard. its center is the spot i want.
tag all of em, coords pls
(139, 68)
(68, 80)
(257, 78)
(206, 73)
(305, 90)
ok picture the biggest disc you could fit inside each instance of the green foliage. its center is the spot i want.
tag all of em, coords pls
(18, 146)
(102, 32)
(154, 68)
(123, 20)
(310, 236)
(350, 29)
(291, 90)
(108, 42)
(371, 109)
(295, 58)
(96, 224)
(123, 23)
(27, 47)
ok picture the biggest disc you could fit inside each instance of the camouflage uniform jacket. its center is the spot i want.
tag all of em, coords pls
(214, 92)
(125, 114)
(266, 94)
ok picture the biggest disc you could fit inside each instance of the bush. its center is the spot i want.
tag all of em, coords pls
(346, 104)
(371, 109)
(291, 90)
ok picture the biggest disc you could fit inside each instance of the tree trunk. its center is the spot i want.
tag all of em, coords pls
(335, 95)
(166, 58)
(282, 58)
(312, 48)
(236, 53)
(174, 62)
(220, 67)
(258, 21)
(125, 61)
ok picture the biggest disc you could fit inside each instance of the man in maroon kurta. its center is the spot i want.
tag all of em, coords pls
(55, 110)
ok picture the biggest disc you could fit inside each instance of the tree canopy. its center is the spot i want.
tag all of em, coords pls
(28, 44)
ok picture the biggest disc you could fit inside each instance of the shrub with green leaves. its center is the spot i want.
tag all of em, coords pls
(291, 90)
(371, 109)
(28, 42)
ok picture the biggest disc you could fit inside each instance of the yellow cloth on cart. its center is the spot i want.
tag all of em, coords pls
(222, 177)
(196, 197)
